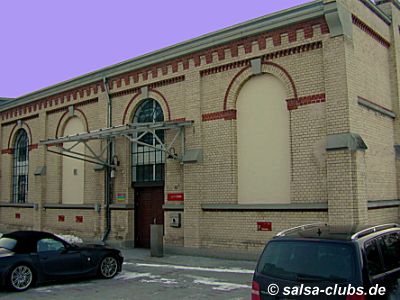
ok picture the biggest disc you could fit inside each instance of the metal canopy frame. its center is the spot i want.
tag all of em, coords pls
(109, 134)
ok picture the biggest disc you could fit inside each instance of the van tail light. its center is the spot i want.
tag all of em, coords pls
(355, 297)
(255, 291)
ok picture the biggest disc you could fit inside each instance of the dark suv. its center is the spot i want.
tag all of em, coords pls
(318, 261)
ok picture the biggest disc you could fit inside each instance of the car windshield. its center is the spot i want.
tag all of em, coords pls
(7, 243)
(308, 261)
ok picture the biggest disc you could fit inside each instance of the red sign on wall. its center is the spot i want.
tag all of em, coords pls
(79, 219)
(61, 218)
(18, 216)
(175, 197)
(264, 226)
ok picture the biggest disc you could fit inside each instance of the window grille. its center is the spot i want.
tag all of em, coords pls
(20, 167)
(148, 163)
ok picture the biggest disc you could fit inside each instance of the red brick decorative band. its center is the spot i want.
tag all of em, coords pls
(152, 85)
(208, 55)
(270, 63)
(21, 119)
(83, 116)
(226, 115)
(300, 101)
(219, 51)
(269, 56)
(368, 30)
(11, 150)
(125, 92)
(33, 146)
(223, 68)
(178, 120)
(294, 50)
(83, 103)
(54, 100)
(7, 151)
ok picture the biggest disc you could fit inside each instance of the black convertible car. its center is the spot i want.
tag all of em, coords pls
(32, 257)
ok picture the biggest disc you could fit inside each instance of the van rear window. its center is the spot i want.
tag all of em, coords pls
(308, 261)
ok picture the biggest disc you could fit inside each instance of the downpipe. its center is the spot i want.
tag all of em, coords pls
(108, 181)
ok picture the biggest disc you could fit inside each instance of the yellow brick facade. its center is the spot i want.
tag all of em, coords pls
(337, 84)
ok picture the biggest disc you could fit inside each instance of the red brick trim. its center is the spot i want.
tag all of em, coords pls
(12, 133)
(164, 100)
(231, 84)
(129, 105)
(208, 54)
(293, 50)
(21, 119)
(224, 68)
(177, 120)
(269, 56)
(11, 150)
(305, 100)
(233, 46)
(153, 85)
(56, 99)
(226, 115)
(33, 146)
(7, 151)
(166, 82)
(284, 71)
(125, 92)
(60, 121)
(372, 33)
(80, 104)
(55, 144)
(294, 89)
(29, 132)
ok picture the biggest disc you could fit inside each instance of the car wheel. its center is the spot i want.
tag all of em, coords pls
(108, 267)
(20, 278)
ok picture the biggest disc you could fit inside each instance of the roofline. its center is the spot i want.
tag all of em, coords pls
(265, 23)
(375, 9)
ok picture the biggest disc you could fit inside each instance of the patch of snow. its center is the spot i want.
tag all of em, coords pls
(70, 238)
(177, 267)
(124, 275)
(221, 286)
(160, 280)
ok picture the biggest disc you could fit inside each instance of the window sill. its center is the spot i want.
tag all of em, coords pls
(19, 205)
(265, 207)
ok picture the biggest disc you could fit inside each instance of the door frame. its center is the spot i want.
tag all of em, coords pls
(137, 188)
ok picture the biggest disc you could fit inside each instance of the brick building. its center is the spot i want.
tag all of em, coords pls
(225, 139)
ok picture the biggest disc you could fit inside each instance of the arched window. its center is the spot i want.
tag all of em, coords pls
(20, 167)
(148, 162)
(73, 170)
(263, 142)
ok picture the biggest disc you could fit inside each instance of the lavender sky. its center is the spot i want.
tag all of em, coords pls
(44, 42)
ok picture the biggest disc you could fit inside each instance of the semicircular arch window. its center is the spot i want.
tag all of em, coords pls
(147, 157)
(20, 167)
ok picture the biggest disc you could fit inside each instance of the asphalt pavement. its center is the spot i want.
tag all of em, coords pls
(146, 277)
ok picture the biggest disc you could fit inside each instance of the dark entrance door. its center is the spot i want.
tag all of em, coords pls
(148, 210)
